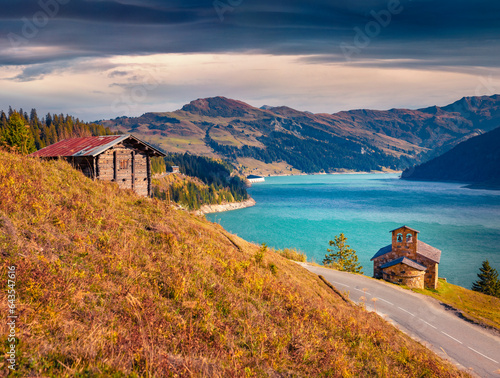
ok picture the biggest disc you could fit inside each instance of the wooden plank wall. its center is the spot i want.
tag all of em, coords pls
(84, 164)
(126, 166)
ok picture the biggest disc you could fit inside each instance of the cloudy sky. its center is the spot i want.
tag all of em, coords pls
(99, 59)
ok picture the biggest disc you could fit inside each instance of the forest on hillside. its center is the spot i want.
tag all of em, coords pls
(320, 152)
(215, 182)
(29, 132)
(475, 161)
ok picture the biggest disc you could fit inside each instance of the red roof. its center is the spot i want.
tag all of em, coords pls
(89, 146)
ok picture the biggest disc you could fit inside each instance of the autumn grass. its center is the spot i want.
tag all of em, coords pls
(111, 284)
(292, 254)
(481, 308)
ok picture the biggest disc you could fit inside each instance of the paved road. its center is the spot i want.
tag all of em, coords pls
(465, 344)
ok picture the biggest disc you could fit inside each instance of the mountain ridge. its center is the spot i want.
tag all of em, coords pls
(287, 138)
(475, 161)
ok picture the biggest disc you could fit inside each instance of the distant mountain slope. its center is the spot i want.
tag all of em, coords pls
(475, 161)
(218, 107)
(356, 139)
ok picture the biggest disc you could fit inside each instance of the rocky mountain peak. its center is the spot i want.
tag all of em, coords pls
(218, 107)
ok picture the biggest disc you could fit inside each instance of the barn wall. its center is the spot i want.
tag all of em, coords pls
(126, 166)
(84, 164)
(141, 171)
(106, 166)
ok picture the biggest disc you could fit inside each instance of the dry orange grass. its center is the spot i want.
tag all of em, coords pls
(110, 284)
(292, 254)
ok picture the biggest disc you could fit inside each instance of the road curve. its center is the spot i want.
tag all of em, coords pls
(467, 345)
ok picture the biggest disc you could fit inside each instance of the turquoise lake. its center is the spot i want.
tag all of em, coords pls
(305, 212)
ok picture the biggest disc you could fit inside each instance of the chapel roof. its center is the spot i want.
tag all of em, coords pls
(408, 228)
(406, 261)
(423, 249)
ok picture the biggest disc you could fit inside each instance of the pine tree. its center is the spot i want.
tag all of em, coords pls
(48, 120)
(488, 282)
(3, 120)
(18, 134)
(343, 257)
(33, 115)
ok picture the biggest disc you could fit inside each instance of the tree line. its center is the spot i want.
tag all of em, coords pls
(321, 152)
(190, 193)
(28, 133)
(214, 172)
(216, 181)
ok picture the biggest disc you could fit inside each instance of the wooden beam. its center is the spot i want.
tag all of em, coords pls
(133, 170)
(115, 168)
(148, 163)
(94, 168)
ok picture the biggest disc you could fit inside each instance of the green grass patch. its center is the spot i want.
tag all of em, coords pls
(481, 308)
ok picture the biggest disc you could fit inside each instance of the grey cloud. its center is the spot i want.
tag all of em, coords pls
(37, 71)
(447, 32)
(117, 74)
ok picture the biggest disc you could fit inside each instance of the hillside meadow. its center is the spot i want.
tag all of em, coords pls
(477, 307)
(111, 284)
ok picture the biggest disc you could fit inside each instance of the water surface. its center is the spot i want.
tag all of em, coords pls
(305, 212)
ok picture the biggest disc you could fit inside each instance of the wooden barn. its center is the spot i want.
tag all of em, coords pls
(123, 159)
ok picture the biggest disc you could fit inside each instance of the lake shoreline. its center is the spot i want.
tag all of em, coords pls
(332, 173)
(305, 212)
(493, 186)
(229, 206)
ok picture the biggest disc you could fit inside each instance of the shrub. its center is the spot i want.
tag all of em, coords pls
(343, 257)
(292, 254)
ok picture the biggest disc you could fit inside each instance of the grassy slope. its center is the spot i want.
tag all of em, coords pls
(481, 308)
(113, 284)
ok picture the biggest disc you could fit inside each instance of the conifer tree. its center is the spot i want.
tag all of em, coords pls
(48, 119)
(48, 130)
(488, 282)
(343, 257)
(18, 134)
(33, 115)
(3, 120)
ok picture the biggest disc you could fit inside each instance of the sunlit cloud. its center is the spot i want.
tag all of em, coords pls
(96, 88)
(102, 59)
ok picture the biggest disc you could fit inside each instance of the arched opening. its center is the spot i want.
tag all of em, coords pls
(399, 238)
(409, 238)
